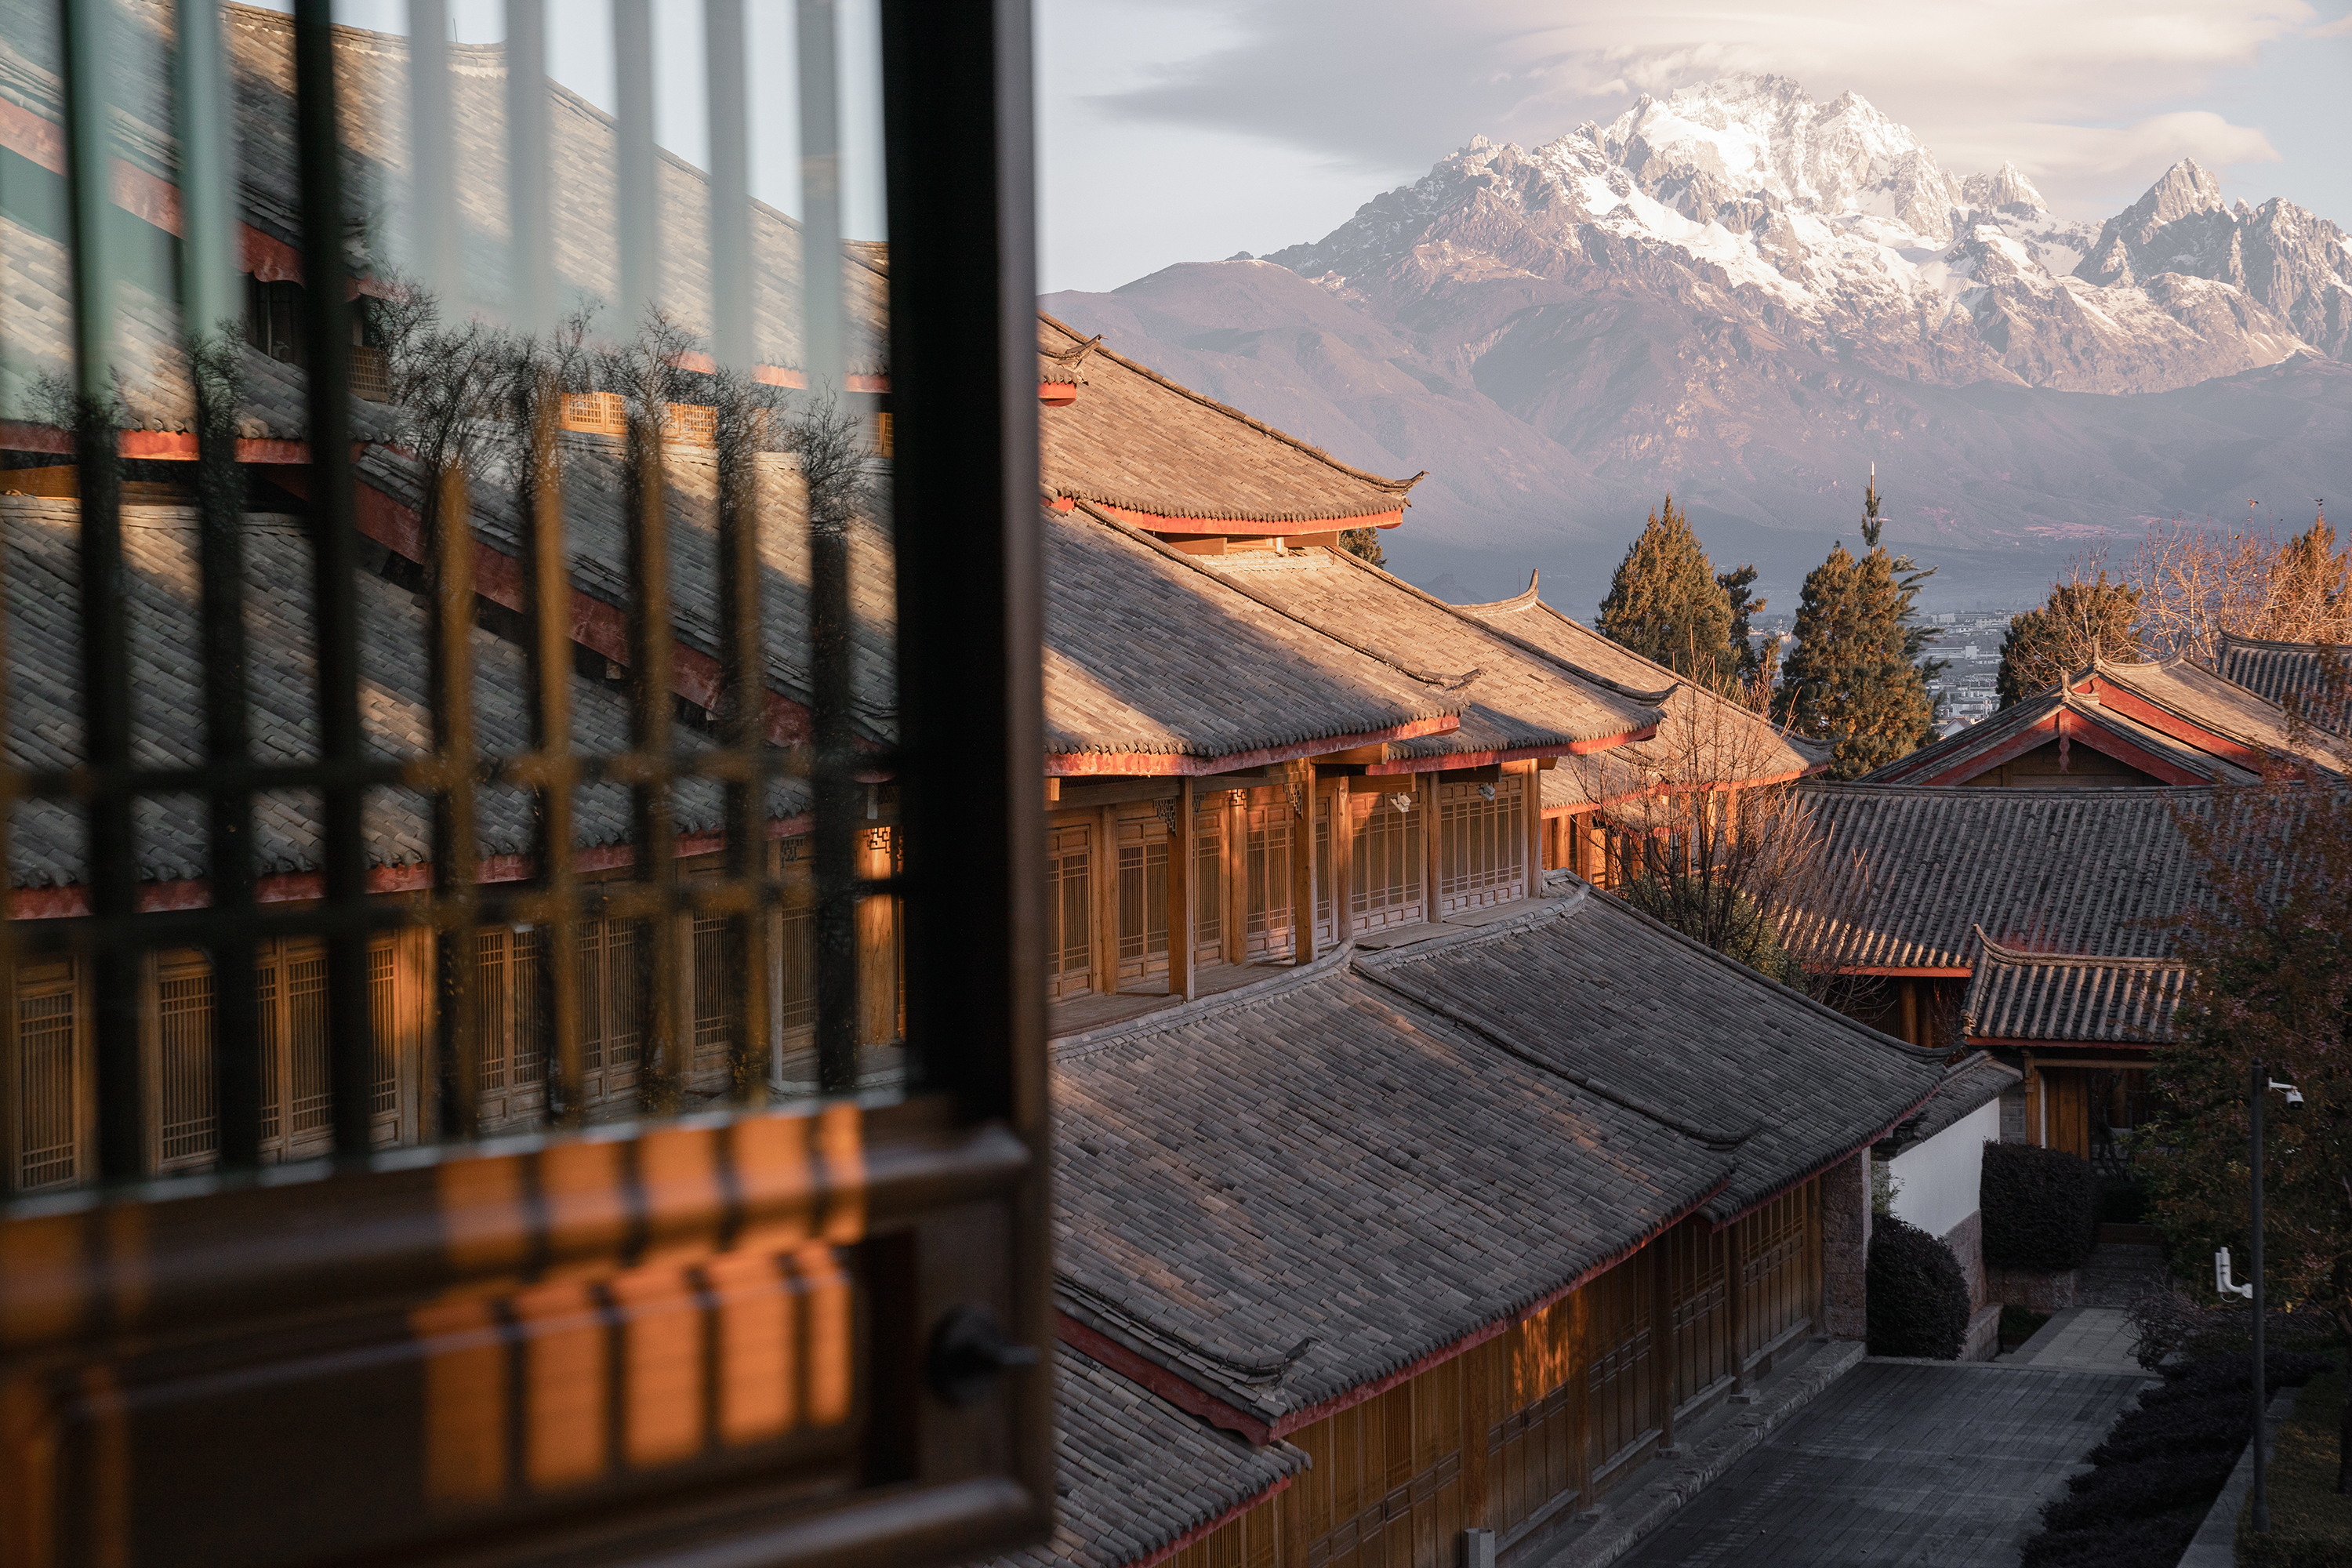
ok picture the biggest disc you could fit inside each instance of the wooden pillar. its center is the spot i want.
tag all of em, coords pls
(1662, 1341)
(1425, 802)
(1477, 1419)
(1102, 947)
(1580, 1343)
(1300, 783)
(1343, 862)
(1531, 808)
(1734, 1295)
(1183, 895)
(1910, 996)
(1236, 925)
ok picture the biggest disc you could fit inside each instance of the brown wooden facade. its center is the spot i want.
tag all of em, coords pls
(50, 1107)
(1518, 1432)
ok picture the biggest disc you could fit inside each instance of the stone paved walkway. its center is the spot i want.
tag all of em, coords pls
(1934, 1464)
(2081, 1338)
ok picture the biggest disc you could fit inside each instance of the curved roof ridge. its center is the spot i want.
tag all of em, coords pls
(1395, 487)
(2024, 956)
(1521, 600)
(1442, 682)
(1462, 613)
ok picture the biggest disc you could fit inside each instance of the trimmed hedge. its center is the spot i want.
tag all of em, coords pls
(2162, 1467)
(2311, 1521)
(2040, 1208)
(1918, 1297)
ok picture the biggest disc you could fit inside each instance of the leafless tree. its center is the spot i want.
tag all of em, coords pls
(2195, 583)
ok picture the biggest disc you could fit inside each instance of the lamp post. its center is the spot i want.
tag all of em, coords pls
(2263, 1084)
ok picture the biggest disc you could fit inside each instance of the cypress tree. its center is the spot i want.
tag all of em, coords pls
(1857, 679)
(1666, 602)
(2080, 621)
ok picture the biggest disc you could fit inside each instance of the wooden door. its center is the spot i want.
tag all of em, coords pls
(1143, 899)
(1069, 910)
(1266, 871)
(1482, 844)
(1620, 1370)
(1208, 890)
(1386, 860)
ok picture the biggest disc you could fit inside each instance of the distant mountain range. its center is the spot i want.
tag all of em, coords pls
(1749, 296)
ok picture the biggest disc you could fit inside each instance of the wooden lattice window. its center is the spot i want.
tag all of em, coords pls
(1778, 1266)
(609, 1009)
(512, 1047)
(714, 995)
(1267, 872)
(1386, 861)
(1482, 852)
(1208, 886)
(1069, 904)
(51, 1066)
(188, 1117)
(1143, 899)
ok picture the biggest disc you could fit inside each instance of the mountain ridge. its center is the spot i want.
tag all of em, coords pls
(1746, 296)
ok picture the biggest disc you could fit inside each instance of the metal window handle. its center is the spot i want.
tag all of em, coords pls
(970, 1353)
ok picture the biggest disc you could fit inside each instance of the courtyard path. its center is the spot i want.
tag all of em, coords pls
(1938, 1464)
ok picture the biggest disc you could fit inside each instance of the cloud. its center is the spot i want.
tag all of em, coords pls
(2088, 89)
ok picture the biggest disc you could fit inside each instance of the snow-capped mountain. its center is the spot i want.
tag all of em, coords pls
(1747, 296)
(1833, 221)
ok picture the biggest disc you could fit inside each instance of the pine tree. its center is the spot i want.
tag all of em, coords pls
(1737, 586)
(2080, 621)
(1858, 679)
(1364, 542)
(1666, 602)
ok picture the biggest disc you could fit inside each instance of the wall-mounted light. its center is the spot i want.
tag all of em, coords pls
(1486, 791)
(1401, 804)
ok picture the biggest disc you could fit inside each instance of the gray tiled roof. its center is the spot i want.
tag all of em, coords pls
(2276, 671)
(159, 545)
(1136, 1474)
(2073, 870)
(1286, 1192)
(1626, 1007)
(1148, 652)
(1283, 1193)
(1514, 698)
(2016, 994)
(1701, 738)
(596, 538)
(1137, 440)
(1975, 1081)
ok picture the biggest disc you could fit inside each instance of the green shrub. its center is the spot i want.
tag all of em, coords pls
(2311, 1521)
(1918, 1297)
(2040, 1208)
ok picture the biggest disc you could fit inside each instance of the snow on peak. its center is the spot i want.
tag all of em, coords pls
(2183, 189)
(1765, 136)
(2005, 191)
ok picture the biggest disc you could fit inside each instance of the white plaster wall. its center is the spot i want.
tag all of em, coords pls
(1935, 1182)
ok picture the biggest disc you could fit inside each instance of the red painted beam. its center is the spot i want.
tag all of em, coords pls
(1091, 765)
(2155, 716)
(1249, 527)
(1518, 754)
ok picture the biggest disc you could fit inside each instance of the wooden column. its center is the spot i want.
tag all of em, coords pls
(1343, 862)
(1425, 802)
(1477, 1420)
(1910, 1002)
(1531, 804)
(1662, 1341)
(1102, 947)
(1300, 783)
(1236, 815)
(1183, 894)
(1580, 1341)
(1734, 1295)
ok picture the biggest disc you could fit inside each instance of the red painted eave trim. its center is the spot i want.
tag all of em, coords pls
(1906, 971)
(1086, 764)
(1509, 754)
(2074, 727)
(297, 887)
(1058, 393)
(2132, 705)
(1709, 786)
(1146, 1372)
(155, 445)
(1243, 527)
(2006, 1043)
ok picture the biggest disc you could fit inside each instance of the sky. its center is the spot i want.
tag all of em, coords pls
(1189, 129)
